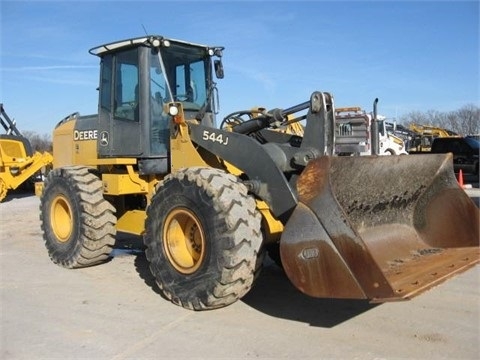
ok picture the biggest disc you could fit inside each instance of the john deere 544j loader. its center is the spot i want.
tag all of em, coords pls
(209, 200)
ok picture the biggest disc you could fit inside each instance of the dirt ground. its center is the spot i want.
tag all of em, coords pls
(114, 311)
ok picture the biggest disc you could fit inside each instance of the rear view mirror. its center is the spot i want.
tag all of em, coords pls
(218, 68)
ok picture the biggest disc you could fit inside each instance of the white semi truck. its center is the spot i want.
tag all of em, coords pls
(353, 134)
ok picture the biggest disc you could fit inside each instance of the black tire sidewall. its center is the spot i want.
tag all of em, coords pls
(61, 252)
(176, 196)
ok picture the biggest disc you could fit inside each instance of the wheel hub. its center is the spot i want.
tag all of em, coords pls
(61, 219)
(184, 240)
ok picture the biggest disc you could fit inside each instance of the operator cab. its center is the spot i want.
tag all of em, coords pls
(138, 77)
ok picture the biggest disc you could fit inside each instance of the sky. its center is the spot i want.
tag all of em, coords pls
(412, 55)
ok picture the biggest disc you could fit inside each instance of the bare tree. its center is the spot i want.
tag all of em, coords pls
(468, 118)
(39, 142)
(464, 121)
(414, 117)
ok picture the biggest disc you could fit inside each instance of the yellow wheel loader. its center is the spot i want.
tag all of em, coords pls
(18, 162)
(209, 201)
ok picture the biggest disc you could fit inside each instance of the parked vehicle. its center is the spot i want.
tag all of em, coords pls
(354, 134)
(465, 152)
(19, 164)
(425, 135)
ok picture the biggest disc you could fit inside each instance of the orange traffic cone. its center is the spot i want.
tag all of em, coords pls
(460, 178)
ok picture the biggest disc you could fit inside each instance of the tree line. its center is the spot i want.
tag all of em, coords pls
(39, 142)
(464, 121)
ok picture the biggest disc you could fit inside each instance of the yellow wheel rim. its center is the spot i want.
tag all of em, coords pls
(61, 218)
(184, 240)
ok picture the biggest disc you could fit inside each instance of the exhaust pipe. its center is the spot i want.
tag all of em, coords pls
(375, 130)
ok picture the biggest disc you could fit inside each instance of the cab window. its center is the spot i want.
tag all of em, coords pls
(126, 85)
(106, 83)
(190, 84)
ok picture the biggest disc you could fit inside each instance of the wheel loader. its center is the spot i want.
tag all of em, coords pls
(18, 162)
(209, 202)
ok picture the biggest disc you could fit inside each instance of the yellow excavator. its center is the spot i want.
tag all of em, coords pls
(210, 201)
(423, 136)
(18, 163)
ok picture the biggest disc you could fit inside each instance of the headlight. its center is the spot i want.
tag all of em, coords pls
(173, 110)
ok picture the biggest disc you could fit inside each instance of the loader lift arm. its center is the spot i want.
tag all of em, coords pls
(336, 209)
(266, 174)
(7, 123)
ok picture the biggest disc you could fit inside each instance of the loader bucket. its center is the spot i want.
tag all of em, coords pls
(380, 228)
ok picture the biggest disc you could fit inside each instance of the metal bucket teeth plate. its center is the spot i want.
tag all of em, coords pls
(381, 228)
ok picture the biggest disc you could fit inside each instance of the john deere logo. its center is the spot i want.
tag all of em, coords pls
(104, 138)
(84, 135)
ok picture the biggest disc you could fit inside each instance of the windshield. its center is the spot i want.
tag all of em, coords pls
(475, 144)
(178, 73)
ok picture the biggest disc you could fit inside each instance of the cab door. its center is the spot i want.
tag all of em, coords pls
(119, 133)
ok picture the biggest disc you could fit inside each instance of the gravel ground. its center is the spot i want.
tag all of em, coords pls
(114, 311)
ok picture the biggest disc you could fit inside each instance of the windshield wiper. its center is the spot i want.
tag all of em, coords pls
(203, 109)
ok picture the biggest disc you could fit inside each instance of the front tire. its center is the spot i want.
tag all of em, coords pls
(203, 238)
(78, 223)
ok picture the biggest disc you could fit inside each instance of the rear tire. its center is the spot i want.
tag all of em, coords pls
(203, 238)
(78, 223)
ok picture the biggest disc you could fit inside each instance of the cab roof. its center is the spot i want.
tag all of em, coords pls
(149, 40)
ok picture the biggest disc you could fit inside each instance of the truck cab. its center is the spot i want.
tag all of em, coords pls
(354, 134)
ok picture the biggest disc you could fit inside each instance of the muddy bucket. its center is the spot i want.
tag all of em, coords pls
(381, 228)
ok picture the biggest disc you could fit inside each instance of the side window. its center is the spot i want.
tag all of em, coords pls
(463, 147)
(126, 85)
(440, 147)
(181, 90)
(190, 84)
(454, 147)
(381, 127)
(445, 146)
(197, 82)
(106, 83)
(158, 87)
(160, 132)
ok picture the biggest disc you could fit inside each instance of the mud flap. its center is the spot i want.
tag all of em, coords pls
(380, 228)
